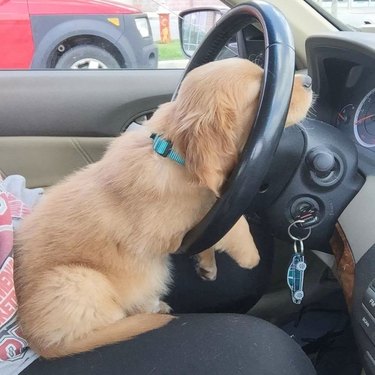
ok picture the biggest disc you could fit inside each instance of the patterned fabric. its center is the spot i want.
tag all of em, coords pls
(14, 353)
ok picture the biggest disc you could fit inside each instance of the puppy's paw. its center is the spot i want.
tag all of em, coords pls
(164, 308)
(207, 273)
(250, 260)
(205, 265)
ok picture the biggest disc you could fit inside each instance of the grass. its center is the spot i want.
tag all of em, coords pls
(170, 51)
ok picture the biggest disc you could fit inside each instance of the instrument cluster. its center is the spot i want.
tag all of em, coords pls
(360, 119)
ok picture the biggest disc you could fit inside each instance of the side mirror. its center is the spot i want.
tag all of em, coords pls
(194, 24)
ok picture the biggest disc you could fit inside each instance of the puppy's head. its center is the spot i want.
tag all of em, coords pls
(210, 120)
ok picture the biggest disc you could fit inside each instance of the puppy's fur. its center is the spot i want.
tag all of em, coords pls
(91, 262)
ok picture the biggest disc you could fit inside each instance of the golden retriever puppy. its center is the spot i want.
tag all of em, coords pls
(92, 259)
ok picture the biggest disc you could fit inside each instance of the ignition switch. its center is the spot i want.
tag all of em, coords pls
(306, 210)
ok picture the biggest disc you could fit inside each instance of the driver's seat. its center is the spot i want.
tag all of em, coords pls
(222, 343)
(193, 344)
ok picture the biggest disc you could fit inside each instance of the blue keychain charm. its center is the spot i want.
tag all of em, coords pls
(297, 267)
(295, 277)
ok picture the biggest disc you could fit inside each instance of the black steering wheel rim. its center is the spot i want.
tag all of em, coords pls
(255, 160)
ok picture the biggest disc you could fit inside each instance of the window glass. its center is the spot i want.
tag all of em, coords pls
(92, 34)
(358, 14)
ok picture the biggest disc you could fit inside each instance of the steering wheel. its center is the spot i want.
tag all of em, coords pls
(255, 160)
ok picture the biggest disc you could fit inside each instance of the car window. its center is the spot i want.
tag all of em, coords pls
(92, 34)
(359, 15)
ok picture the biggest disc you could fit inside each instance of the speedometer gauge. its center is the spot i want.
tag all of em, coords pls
(364, 121)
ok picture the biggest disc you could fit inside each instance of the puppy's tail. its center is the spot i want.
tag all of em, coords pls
(122, 330)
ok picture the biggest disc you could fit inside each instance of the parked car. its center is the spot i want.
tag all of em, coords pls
(77, 34)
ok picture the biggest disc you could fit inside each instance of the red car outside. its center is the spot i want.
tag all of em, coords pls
(63, 34)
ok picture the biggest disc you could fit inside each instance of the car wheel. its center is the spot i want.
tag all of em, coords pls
(87, 57)
(301, 266)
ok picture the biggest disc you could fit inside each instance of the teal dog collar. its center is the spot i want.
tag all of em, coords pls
(163, 147)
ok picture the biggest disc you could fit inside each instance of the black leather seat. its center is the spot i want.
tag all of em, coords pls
(194, 344)
(221, 343)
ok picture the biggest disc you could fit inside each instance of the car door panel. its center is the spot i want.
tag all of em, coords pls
(43, 161)
(68, 121)
(80, 103)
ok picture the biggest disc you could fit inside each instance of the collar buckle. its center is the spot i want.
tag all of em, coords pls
(161, 146)
(164, 148)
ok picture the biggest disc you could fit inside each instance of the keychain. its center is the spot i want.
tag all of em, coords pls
(297, 266)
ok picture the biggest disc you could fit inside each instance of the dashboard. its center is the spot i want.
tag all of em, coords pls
(343, 71)
(341, 124)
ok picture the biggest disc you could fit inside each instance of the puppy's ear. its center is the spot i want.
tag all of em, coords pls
(206, 136)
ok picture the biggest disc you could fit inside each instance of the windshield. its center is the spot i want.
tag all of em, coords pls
(357, 14)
